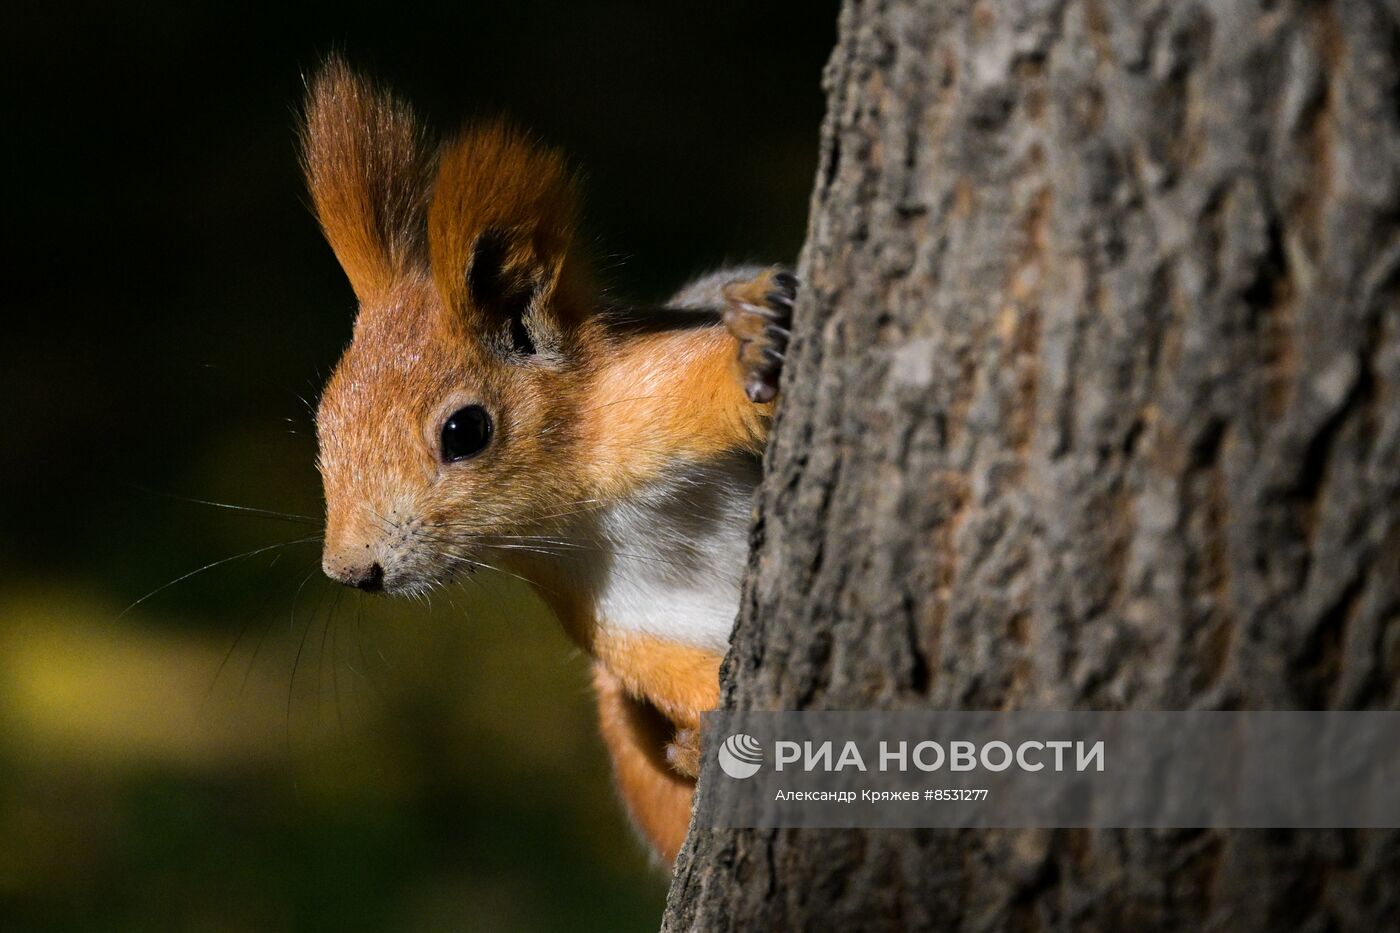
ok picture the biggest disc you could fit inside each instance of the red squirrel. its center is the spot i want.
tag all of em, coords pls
(492, 411)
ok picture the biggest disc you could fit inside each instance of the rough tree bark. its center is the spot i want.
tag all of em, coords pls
(1091, 404)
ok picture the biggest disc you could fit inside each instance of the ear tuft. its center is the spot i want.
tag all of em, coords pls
(500, 233)
(369, 166)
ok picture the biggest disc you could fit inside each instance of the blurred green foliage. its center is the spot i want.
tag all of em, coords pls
(250, 747)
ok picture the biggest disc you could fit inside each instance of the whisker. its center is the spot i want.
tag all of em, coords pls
(360, 648)
(257, 648)
(335, 679)
(243, 630)
(247, 509)
(479, 564)
(210, 566)
(542, 545)
(296, 662)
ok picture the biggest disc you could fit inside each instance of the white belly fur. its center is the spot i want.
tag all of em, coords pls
(671, 559)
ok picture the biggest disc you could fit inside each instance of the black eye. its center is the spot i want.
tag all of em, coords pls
(465, 434)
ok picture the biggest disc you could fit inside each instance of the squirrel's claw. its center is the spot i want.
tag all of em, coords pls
(758, 312)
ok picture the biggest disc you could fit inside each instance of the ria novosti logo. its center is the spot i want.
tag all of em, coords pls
(740, 755)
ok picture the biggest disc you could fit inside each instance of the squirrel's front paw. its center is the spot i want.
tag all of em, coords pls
(683, 752)
(758, 312)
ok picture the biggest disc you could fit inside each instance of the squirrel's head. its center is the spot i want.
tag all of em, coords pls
(449, 422)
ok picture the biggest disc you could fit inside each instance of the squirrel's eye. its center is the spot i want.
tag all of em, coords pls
(465, 434)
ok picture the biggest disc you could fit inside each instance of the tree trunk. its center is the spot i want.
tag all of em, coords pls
(1091, 404)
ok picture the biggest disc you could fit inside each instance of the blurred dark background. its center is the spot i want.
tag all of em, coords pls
(250, 747)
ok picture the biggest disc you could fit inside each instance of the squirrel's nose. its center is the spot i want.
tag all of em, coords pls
(371, 580)
(368, 578)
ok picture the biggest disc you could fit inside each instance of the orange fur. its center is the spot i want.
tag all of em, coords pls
(582, 413)
(679, 680)
(658, 798)
(367, 165)
(492, 178)
(666, 396)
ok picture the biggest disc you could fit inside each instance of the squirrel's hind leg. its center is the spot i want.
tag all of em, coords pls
(637, 735)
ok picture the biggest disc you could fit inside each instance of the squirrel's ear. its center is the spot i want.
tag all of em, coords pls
(368, 166)
(500, 231)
